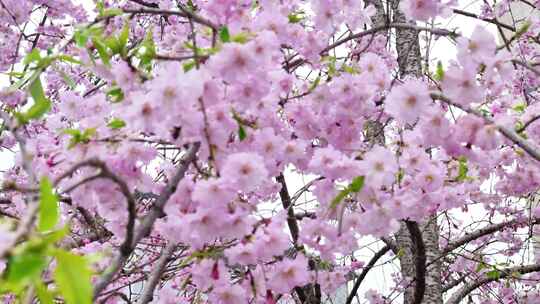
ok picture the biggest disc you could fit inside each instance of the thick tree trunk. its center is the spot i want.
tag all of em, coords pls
(409, 61)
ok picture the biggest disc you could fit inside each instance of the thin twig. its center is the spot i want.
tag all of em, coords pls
(148, 221)
(157, 272)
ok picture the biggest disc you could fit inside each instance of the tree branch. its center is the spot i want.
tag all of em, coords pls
(144, 3)
(528, 123)
(436, 31)
(147, 222)
(526, 145)
(27, 221)
(527, 66)
(125, 248)
(419, 251)
(159, 267)
(365, 271)
(287, 205)
(489, 20)
(482, 232)
(185, 13)
(504, 273)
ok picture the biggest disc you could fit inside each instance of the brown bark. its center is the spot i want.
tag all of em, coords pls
(409, 61)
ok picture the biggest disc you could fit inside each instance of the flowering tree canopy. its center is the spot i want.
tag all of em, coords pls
(150, 150)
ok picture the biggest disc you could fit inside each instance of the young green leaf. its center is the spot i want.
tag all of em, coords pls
(520, 107)
(357, 184)
(67, 58)
(48, 206)
(341, 196)
(481, 266)
(43, 294)
(439, 72)
(124, 36)
(23, 268)
(78, 137)
(242, 38)
(115, 94)
(190, 64)
(82, 35)
(72, 275)
(102, 50)
(116, 123)
(147, 51)
(462, 169)
(68, 80)
(493, 274)
(41, 103)
(32, 56)
(296, 17)
(224, 34)
(111, 12)
(241, 132)
(315, 84)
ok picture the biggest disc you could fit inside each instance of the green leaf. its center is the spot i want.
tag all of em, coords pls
(439, 72)
(48, 206)
(240, 38)
(102, 50)
(224, 34)
(72, 275)
(43, 294)
(315, 84)
(462, 169)
(189, 65)
(520, 107)
(14, 74)
(399, 175)
(493, 274)
(357, 184)
(241, 132)
(100, 6)
(332, 66)
(115, 94)
(78, 137)
(51, 237)
(68, 80)
(124, 36)
(32, 56)
(23, 268)
(349, 69)
(147, 51)
(41, 103)
(67, 58)
(523, 29)
(82, 35)
(296, 17)
(481, 266)
(24, 79)
(341, 195)
(116, 123)
(111, 12)
(114, 44)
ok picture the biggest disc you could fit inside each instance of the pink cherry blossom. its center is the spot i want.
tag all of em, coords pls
(244, 170)
(289, 273)
(380, 167)
(408, 101)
